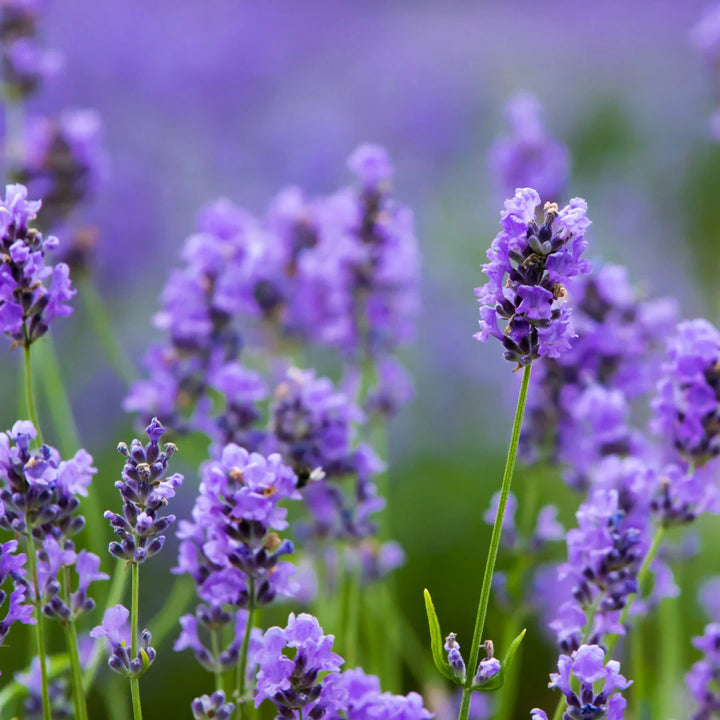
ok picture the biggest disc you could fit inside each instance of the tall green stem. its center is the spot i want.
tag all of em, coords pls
(494, 545)
(134, 613)
(29, 394)
(74, 655)
(39, 627)
(242, 661)
(63, 421)
(215, 641)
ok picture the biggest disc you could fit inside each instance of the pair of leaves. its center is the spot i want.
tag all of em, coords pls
(444, 667)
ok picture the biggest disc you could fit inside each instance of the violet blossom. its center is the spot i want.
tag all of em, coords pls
(32, 293)
(145, 492)
(537, 261)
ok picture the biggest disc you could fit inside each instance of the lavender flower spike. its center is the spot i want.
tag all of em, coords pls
(31, 293)
(529, 265)
(587, 666)
(144, 493)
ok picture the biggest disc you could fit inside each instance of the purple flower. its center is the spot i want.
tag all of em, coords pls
(292, 684)
(314, 425)
(212, 707)
(64, 161)
(364, 700)
(587, 665)
(27, 302)
(529, 265)
(579, 403)
(145, 492)
(115, 629)
(454, 657)
(686, 407)
(229, 548)
(701, 678)
(528, 157)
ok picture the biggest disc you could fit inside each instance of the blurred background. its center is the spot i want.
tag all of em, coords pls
(208, 98)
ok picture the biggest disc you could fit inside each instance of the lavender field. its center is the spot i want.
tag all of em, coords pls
(363, 360)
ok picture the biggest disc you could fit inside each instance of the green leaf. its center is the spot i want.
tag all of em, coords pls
(496, 682)
(436, 641)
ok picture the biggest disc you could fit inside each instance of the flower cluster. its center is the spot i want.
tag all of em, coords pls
(116, 631)
(230, 548)
(294, 683)
(702, 678)
(63, 161)
(686, 408)
(587, 666)
(706, 38)
(578, 405)
(529, 265)
(212, 707)
(341, 270)
(145, 492)
(12, 566)
(24, 63)
(528, 156)
(313, 426)
(605, 552)
(28, 302)
(299, 673)
(40, 496)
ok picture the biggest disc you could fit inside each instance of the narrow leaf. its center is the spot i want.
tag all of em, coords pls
(436, 640)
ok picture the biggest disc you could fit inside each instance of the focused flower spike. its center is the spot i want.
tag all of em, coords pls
(529, 266)
(145, 492)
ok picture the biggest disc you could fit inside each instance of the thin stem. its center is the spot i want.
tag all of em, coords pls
(494, 545)
(134, 613)
(74, 655)
(352, 616)
(103, 328)
(61, 412)
(39, 627)
(215, 644)
(29, 394)
(242, 661)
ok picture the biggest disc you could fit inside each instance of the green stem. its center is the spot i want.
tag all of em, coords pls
(494, 546)
(639, 686)
(215, 643)
(103, 328)
(352, 616)
(39, 627)
(64, 423)
(134, 614)
(242, 661)
(29, 394)
(74, 655)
